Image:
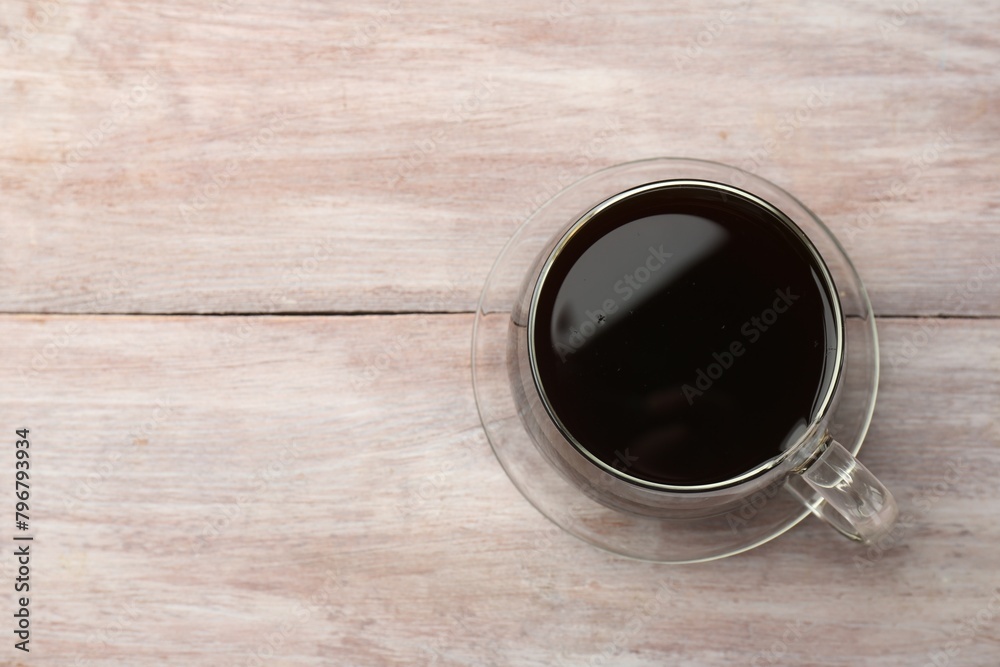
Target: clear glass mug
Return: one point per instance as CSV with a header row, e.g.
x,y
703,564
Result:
x,y
637,517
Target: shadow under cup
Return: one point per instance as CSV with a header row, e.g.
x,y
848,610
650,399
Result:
x,y
680,351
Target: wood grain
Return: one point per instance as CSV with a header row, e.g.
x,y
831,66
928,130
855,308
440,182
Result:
x,y
214,218
199,501
248,157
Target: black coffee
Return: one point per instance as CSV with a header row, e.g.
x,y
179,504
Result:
x,y
684,336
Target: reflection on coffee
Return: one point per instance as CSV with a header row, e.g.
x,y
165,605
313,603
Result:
x,y
684,335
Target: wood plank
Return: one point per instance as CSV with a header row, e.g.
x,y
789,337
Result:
x,y
246,157
214,490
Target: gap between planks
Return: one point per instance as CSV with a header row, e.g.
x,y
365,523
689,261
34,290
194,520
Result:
x,y
394,313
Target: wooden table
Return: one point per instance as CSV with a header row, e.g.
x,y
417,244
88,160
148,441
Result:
x,y
241,245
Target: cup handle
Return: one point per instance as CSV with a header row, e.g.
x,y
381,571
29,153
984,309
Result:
x,y
851,499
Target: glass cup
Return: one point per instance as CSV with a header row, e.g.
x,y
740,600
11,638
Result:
x,y
612,509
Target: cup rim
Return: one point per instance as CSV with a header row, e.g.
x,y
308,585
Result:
x,y
810,432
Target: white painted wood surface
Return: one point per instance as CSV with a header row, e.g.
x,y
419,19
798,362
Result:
x,y
209,490
212,490
184,157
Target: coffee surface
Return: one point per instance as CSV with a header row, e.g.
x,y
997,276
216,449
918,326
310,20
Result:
x,y
683,336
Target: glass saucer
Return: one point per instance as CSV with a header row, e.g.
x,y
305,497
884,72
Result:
x,y
763,516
